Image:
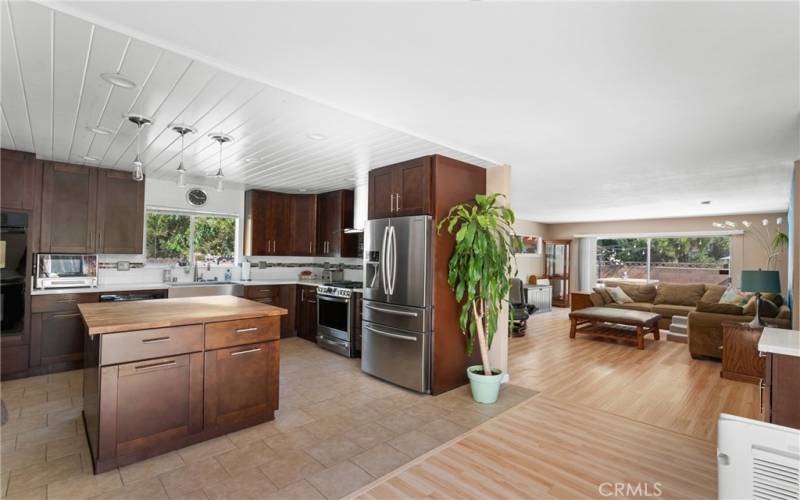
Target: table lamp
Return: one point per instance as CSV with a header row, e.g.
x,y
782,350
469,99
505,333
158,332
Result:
x,y
760,282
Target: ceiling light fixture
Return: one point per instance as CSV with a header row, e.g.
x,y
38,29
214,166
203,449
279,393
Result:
x,y
705,202
138,166
100,130
183,130
118,80
316,136
249,160
221,139
90,158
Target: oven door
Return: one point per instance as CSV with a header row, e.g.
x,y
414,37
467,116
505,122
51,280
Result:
x,y
333,317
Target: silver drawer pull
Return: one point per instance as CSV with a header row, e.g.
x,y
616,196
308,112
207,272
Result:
x,y
246,352
393,335
154,340
67,301
70,315
392,311
266,290
156,365
245,330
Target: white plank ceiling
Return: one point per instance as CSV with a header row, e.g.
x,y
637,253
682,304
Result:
x,y
52,94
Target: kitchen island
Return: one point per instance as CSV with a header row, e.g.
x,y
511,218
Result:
x,y
163,374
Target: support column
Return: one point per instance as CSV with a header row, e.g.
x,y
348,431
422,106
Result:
x,y
498,180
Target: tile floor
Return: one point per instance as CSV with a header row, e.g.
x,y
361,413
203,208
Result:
x,y
337,430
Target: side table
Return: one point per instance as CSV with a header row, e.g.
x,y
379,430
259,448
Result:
x,y
740,358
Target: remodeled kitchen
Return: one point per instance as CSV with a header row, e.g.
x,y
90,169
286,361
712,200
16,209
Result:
x,y
197,263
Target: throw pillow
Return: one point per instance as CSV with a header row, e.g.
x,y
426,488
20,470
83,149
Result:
x,y
719,308
679,294
713,293
639,293
775,298
768,308
735,297
603,292
619,295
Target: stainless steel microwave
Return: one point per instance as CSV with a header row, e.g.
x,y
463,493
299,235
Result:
x,y
65,270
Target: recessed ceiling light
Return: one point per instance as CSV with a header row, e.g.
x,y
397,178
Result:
x,y
350,179
302,190
118,80
705,202
316,136
100,130
248,160
90,158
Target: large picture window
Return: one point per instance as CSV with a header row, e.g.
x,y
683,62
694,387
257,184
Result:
x,y
179,238
704,259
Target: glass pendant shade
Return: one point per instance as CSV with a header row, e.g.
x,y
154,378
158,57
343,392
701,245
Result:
x,y
181,182
138,172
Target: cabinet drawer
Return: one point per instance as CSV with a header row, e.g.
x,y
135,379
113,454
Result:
x,y
261,292
146,344
61,301
242,331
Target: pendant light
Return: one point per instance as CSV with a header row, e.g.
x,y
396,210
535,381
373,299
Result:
x,y
221,139
138,166
183,130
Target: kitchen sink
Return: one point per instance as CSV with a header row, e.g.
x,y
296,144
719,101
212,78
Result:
x,y
204,288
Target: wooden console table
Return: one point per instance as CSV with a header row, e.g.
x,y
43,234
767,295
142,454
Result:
x,y
740,359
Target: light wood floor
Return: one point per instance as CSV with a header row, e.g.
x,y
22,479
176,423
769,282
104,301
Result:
x,y
606,413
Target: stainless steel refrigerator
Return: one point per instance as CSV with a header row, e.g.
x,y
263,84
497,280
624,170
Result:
x,y
398,301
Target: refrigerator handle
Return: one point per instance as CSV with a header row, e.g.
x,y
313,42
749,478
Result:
x,y
383,257
393,235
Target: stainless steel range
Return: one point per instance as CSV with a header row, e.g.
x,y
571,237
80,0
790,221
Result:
x,y
336,318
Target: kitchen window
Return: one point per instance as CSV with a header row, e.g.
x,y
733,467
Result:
x,y
181,238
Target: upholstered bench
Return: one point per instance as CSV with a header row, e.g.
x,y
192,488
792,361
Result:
x,y
620,324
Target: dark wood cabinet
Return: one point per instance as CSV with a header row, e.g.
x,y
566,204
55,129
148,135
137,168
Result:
x,y
779,389
334,213
278,224
120,213
303,219
69,208
241,383
276,295
146,402
20,179
401,189
56,340
307,312
256,206
90,210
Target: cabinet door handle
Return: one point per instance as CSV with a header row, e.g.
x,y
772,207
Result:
x,y
156,339
70,315
68,300
239,353
302,294
310,247
245,330
266,290
312,301
761,396
155,365
397,202
391,203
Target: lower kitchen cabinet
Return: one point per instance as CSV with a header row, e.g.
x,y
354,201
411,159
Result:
x,y
148,401
779,390
307,312
280,296
241,383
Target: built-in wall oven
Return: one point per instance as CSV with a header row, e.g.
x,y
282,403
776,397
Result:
x,y
13,269
336,318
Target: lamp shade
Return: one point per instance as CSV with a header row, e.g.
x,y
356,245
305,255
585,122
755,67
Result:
x,y
761,281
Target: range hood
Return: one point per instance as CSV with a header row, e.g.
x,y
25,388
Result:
x,y
360,201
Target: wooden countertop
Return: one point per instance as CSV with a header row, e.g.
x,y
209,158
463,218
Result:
x,y
114,317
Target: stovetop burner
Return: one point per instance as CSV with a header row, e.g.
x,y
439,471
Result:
x,y
344,284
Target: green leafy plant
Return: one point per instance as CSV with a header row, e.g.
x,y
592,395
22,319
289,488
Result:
x,y
481,266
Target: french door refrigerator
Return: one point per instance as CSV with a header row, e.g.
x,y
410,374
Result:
x,y
398,303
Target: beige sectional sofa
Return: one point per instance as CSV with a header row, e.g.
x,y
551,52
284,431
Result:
x,y
699,302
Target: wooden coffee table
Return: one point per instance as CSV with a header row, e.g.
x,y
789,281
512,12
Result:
x,y
612,323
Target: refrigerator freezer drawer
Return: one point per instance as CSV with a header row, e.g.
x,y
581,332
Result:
x,y
397,356
415,319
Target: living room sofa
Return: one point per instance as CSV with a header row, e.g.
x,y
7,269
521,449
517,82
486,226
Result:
x,y
672,299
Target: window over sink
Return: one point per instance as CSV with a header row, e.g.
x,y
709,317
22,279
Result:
x,y
183,238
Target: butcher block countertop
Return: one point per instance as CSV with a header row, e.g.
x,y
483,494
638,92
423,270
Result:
x,y
115,317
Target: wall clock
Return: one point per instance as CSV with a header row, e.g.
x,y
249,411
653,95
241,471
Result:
x,y
196,197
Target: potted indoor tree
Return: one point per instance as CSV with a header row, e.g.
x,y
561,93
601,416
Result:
x,y
479,274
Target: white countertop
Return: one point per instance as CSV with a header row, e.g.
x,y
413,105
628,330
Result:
x,y
779,341
129,287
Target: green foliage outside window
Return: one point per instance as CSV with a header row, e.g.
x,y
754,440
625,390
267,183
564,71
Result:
x,y
172,238
214,239
168,238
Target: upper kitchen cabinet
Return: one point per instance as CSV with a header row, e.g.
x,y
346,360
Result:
x,y
91,210
69,209
401,189
120,213
334,213
267,224
303,218
21,179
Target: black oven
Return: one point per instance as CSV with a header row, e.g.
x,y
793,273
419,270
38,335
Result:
x,y
13,271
